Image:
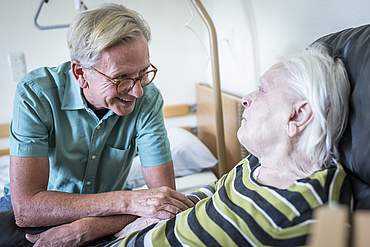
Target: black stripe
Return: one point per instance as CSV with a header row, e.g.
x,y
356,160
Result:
x,y
225,225
296,199
139,238
170,234
256,229
201,195
323,192
329,179
199,231
279,218
211,189
346,192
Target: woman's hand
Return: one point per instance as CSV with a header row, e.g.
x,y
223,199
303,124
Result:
x,y
136,225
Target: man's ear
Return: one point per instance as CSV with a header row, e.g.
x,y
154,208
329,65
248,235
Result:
x,y
79,74
300,117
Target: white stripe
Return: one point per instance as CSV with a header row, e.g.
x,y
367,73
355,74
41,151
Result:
x,y
148,238
309,186
176,235
233,223
331,188
256,206
148,235
206,191
281,198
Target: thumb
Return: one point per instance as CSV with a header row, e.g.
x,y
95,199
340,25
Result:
x,y
32,237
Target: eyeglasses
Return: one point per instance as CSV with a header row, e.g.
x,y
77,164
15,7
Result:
x,y
125,84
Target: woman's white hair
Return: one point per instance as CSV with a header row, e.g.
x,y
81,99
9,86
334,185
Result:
x,y
94,30
322,80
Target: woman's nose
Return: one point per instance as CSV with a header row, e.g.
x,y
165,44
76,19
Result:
x,y
246,101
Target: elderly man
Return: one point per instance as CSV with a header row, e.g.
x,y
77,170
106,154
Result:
x,y
76,128
291,126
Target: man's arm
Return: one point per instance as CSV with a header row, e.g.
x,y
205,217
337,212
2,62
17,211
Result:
x,y
162,175
35,206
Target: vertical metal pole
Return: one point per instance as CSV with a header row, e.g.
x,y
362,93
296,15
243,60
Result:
x,y
216,84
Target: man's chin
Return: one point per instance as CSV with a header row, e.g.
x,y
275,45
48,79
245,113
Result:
x,y
122,110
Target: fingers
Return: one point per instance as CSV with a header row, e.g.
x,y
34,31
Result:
x,y
32,237
162,203
176,195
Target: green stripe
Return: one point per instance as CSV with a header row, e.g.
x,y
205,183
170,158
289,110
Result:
x,y
265,193
159,235
211,227
183,231
306,193
337,184
125,241
240,222
261,219
320,176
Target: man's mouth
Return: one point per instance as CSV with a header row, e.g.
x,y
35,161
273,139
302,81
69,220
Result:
x,y
125,101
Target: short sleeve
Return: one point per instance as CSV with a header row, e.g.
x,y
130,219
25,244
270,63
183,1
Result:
x,y
29,131
152,141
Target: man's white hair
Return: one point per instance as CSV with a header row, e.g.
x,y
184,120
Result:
x,y
94,30
322,80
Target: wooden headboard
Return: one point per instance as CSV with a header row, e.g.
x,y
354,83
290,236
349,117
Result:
x,y
232,111
206,125
4,134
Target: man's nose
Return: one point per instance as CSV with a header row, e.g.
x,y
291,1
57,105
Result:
x,y
137,91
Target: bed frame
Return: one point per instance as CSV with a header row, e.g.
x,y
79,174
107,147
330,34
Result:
x,y
4,133
206,126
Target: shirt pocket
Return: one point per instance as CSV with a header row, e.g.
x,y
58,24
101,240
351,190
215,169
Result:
x,y
115,166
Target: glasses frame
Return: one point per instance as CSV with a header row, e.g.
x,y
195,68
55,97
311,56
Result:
x,y
118,82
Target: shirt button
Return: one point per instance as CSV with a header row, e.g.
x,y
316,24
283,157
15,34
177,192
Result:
x,y
98,127
88,183
93,157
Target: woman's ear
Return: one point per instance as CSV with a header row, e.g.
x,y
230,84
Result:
x,y
300,118
79,74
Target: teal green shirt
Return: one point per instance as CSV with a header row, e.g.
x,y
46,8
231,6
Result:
x,y
86,154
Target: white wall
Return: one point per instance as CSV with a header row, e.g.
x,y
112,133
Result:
x,y
175,49
252,34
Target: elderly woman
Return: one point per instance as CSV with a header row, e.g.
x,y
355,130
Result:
x,y
291,126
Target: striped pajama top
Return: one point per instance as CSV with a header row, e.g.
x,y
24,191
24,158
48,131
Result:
x,y
238,211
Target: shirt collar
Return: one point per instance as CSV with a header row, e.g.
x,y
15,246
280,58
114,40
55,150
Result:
x,y
72,98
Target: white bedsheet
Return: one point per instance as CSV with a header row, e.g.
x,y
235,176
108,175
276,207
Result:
x,y
190,183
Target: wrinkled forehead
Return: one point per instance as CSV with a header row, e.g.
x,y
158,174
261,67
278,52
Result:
x,y
275,76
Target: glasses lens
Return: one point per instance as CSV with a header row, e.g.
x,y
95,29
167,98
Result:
x,y
125,85
147,78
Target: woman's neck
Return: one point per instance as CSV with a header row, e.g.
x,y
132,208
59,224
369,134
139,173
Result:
x,y
281,171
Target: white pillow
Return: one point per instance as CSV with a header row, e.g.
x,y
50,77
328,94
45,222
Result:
x,y
189,156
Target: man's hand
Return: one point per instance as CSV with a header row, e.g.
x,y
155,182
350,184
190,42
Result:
x,y
72,234
161,203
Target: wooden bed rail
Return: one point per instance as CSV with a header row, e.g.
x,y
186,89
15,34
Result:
x,y
336,226
4,133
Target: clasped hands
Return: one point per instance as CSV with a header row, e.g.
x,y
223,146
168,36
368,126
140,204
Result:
x,y
157,204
